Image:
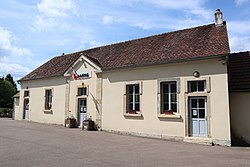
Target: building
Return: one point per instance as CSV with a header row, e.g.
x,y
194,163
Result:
x,y
172,86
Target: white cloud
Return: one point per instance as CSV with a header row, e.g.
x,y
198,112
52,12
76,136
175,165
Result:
x,y
11,55
107,19
239,27
239,44
54,14
8,47
86,44
174,15
240,2
239,35
57,8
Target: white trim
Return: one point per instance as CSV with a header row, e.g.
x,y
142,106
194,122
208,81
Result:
x,y
140,83
207,84
85,59
159,81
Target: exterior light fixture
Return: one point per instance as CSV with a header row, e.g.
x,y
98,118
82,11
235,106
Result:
x,y
196,74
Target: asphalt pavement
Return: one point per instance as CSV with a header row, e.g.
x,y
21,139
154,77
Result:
x,y
27,144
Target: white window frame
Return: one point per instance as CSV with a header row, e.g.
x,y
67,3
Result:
x,y
169,83
125,106
197,86
159,97
80,87
207,84
50,103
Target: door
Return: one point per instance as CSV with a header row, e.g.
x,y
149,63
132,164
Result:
x,y
198,116
82,111
26,109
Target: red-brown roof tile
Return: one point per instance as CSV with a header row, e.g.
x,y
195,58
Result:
x,y
239,71
202,41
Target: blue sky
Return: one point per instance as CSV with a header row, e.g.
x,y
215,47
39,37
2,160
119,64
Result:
x,y
34,31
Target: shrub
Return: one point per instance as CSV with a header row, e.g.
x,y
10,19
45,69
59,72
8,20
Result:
x,y
6,112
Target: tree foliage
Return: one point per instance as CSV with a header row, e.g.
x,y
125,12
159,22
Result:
x,y
11,80
7,91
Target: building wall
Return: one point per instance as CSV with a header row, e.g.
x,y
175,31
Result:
x,y
93,97
240,114
16,107
64,99
149,123
36,90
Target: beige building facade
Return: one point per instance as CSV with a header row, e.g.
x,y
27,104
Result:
x,y
150,121
177,85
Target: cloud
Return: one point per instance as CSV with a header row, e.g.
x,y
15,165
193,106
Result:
x,y
11,55
186,13
54,14
107,19
239,35
239,44
86,44
240,2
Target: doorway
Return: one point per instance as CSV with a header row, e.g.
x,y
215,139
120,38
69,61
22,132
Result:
x,y
26,109
198,116
82,111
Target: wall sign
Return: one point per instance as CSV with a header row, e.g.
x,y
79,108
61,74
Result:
x,y
84,75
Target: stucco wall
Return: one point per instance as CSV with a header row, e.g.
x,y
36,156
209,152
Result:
x,y
65,97
93,93
240,115
37,100
150,123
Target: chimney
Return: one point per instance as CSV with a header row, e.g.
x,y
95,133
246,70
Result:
x,y
218,18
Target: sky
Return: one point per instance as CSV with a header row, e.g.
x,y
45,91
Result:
x,y
34,31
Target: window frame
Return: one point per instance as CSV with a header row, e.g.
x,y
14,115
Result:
x,y
26,95
50,104
82,87
126,105
196,86
207,84
169,94
160,114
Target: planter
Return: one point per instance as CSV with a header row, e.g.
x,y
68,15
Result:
x,y
70,123
168,112
132,112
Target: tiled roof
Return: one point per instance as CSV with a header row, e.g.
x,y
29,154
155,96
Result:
x,y
202,41
54,67
239,71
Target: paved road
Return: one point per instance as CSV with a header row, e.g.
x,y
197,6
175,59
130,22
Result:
x,y
25,144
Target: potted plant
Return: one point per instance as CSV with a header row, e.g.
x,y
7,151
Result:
x,y
169,112
132,112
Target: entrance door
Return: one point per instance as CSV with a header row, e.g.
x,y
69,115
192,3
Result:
x,y
82,111
198,116
26,109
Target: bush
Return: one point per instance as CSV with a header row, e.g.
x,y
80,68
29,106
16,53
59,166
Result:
x,y
6,112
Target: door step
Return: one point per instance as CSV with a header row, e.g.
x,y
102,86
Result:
x,y
198,140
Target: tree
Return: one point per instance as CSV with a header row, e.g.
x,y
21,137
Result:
x,y
7,90
11,80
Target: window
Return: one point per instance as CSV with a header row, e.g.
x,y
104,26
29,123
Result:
x,y
48,99
26,93
132,99
168,96
196,86
82,91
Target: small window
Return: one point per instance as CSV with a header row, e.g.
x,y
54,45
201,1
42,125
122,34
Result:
x,y
48,99
196,86
26,93
132,99
168,97
82,91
